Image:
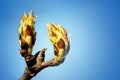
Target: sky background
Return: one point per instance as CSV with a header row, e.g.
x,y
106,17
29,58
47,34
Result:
x,y
93,29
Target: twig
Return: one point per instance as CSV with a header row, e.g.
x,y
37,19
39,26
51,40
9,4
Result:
x,y
36,63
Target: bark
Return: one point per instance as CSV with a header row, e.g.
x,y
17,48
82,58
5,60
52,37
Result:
x,y
35,63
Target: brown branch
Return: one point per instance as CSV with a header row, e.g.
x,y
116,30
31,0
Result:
x,y
36,63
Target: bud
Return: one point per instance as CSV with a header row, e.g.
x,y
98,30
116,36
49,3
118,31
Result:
x,y
58,36
27,34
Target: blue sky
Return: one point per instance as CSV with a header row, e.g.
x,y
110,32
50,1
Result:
x,y
93,28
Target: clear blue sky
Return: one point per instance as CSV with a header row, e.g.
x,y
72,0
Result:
x,y
94,32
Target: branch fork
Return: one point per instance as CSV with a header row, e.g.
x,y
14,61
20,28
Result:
x,y
35,63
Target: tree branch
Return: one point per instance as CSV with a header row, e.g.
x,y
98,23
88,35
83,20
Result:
x,y
36,63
